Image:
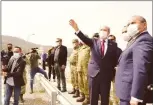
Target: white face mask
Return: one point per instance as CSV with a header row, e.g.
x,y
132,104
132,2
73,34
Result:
x,y
103,34
16,55
132,30
126,37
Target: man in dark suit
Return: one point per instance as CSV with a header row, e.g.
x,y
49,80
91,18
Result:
x,y
60,60
119,51
135,64
101,65
14,76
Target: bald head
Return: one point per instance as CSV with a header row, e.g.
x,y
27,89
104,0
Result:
x,y
104,32
139,21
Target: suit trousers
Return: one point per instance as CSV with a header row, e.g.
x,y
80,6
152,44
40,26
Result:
x,y
60,73
44,65
124,102
51,71
98,86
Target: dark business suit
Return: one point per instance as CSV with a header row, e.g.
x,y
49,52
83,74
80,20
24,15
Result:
x,y
134,67
100,69
17,65
62,60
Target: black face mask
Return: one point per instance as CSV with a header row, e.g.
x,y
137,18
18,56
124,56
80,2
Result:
x,y
9,48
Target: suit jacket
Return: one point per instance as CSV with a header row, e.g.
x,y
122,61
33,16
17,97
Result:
x,y
98,63
18,70
62,57
134,66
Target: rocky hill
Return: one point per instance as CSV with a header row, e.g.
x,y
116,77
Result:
x,y
23,44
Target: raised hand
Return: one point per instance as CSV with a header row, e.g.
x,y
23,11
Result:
x,y
74,25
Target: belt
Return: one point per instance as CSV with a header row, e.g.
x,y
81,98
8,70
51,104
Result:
x,y
73,64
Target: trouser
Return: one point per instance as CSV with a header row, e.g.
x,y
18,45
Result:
x,y
44,65
74,76
83,83
33,73
60,76
51,71
8,93
99,86
124,102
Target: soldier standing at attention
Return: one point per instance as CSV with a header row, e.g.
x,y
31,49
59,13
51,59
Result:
x,y
83,59
73,66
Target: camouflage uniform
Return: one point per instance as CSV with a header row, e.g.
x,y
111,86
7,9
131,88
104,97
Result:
x,y
83,59
73,66
113,98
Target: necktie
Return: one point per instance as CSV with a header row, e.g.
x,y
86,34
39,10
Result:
x,y
102,47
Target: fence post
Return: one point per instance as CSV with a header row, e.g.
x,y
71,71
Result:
x,y
53,97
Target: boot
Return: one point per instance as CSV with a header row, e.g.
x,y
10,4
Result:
x,y
31,92
86,101
77,94
81,98
73,91
21,98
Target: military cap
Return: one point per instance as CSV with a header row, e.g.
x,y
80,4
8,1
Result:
x,y
75,40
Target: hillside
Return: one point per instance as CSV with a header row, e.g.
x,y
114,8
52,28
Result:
x,y
23,44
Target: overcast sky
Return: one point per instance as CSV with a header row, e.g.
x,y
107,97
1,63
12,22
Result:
x,y
50,19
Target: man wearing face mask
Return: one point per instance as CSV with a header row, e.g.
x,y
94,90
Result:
x,y
114,99
134,72
60,60
101,65
7,55
10,52
73,66
14,76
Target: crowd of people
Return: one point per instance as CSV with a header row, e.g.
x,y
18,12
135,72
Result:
x,y
97,66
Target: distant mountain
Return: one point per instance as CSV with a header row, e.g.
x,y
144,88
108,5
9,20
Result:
x,y
23,44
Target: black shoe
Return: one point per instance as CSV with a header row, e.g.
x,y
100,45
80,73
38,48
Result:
x,y
64,90
21,98
59,88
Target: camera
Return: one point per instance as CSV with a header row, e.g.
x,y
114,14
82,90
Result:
x,y
33,50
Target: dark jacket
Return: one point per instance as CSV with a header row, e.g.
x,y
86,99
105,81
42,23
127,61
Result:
x,y
50,59
134,68
18,70
62,57
98,64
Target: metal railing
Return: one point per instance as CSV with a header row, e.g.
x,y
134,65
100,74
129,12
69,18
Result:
x,y
52,91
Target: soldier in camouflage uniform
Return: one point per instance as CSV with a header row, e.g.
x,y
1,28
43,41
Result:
x,y
73,66
83,59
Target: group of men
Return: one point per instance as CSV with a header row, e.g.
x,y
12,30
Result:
x,y
132,68
95,63
13,69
